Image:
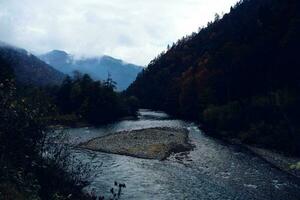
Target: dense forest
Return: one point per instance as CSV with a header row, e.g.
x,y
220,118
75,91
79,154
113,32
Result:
x,y
239,76
81,99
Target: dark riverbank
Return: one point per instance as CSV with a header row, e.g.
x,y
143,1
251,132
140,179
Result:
x,y
285,163
46,182
281,160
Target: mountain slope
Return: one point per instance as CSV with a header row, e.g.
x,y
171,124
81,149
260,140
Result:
x,y
98,68
240,75
29,69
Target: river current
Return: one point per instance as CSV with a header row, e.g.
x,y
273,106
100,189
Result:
x,y
213,170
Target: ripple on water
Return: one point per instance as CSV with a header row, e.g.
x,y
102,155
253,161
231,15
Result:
x,y
213,170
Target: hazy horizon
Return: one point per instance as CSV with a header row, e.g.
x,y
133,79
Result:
x,y
135,32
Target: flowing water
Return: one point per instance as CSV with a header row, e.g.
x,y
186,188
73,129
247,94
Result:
x,y
213,170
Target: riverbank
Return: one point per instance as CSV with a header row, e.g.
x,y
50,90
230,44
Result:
x,y
285,163
152,143
42,181
280,160
72,121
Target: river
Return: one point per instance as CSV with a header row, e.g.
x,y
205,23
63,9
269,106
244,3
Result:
x,y
213,170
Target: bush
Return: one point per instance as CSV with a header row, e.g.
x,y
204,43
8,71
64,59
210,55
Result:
x,y
24,173
270,121
227,117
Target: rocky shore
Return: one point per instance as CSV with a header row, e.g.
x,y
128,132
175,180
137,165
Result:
x,y
290,165
153,143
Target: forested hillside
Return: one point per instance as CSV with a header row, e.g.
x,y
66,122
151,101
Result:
x,y
28,69
239,76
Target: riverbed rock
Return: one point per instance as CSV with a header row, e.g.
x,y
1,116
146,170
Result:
x,y
152,143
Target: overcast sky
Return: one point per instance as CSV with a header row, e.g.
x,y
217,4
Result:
x,y
133,30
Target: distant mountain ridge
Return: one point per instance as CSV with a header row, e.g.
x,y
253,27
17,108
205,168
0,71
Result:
x,y
28,68
98,67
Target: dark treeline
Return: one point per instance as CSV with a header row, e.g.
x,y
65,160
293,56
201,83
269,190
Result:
x,y
94,102
239,76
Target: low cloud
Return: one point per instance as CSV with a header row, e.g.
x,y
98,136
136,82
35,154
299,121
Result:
x,y
135,31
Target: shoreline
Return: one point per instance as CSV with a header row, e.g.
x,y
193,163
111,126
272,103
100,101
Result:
x,y
279,160
290,165
82,123
287,163
152,143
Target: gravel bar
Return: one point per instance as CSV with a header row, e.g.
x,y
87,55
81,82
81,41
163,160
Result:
x,y
152,143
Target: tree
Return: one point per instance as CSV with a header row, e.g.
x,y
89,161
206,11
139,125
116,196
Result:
x,y
109,83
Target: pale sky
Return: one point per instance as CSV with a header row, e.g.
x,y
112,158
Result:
x,y
133,30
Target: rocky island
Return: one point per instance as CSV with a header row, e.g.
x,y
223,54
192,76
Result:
x,y
153,143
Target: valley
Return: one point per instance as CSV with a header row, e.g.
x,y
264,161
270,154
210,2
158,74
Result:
x,y
214,116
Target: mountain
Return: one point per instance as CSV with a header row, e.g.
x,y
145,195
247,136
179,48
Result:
x,y
98,68
239,76
28,69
